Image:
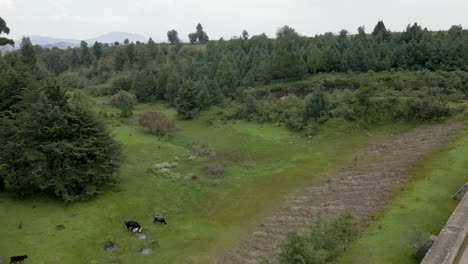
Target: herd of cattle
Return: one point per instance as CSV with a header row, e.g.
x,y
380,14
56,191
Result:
x,y
135,227
131,225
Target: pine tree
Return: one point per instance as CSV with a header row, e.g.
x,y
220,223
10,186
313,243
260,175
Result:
x,y
286,65
204,98
227,77
97,50
174,81
263,69
317,106
131,53
59,149
145,86
5,29
314,60
120,59
28,54
186,101
85,55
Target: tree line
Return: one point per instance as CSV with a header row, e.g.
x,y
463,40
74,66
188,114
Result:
x,y
193,78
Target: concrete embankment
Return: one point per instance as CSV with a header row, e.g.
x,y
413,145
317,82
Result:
x,y
451,246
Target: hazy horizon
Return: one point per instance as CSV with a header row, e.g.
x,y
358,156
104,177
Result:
x,y
87,19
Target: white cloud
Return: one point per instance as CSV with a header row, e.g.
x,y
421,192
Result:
x,y
6,4
223,18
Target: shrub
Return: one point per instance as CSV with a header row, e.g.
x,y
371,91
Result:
x,y
416,109
72,80
323,244
121,83
199,149
125,102
157,122
79,99
297,250
213,169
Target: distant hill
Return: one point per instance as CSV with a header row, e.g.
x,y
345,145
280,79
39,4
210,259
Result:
x,y
62,43
117,36
44,41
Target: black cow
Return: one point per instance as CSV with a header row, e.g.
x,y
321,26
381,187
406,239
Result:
x,y
133,226
18,259
160,220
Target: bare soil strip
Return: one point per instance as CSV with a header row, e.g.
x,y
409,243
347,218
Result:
x,y
362,188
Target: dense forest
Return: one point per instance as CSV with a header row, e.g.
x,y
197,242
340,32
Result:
x,y
192,78
255,77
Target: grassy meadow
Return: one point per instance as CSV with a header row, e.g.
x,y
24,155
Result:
x,y
205,216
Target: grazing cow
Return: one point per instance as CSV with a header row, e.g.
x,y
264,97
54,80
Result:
x,y
160,220
18,259
133,226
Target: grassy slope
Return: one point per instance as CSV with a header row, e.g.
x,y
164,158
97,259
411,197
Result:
x,y
423,206
262,162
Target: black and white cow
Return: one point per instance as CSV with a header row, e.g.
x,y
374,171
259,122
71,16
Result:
x,y
160,220
18,259
133,226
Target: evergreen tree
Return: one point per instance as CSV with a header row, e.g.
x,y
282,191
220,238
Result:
x,y
12,86
75,59
226,77
286,65
145,86
203,99
28,54
131,53
263,69
120,59
381,33
174,81
85,55
59,149
317,106
314,60
193,38
172,36
245,35
5,29
153,49
97,50
201,35
186,101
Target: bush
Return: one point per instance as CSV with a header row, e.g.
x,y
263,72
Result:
x,y
323,244
213,169
199,149
125,102
416,109
72,80
121,83
157,122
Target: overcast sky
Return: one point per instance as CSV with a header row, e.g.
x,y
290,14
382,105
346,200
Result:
x,y
83,19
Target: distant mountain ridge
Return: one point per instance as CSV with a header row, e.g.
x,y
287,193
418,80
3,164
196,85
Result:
x,y
62,43
112,37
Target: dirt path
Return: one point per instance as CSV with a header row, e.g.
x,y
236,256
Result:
x,y
362,188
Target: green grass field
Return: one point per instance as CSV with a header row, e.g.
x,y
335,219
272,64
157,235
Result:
x,y
206,216
423,206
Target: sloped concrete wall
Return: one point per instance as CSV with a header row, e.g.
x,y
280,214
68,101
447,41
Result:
x,y
449,247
